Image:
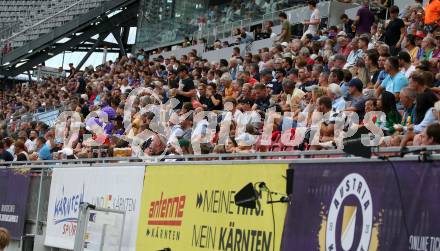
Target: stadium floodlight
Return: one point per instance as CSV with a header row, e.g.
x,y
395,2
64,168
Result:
x,y
354,146
247,197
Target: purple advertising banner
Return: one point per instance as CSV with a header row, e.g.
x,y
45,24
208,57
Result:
x,y
356,206
14,188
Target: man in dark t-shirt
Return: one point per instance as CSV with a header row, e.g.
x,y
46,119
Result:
x,y
262,100
81,85
348,25
277,84
186,89
5,155
212,99
357,105
395,31
364,19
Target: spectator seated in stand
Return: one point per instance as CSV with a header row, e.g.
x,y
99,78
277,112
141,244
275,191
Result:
x,y
329,71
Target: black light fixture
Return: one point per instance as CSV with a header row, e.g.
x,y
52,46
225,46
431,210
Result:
x,y
248,196
353,145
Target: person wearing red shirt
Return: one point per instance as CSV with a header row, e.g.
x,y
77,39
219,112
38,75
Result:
x,y
343,43
246,76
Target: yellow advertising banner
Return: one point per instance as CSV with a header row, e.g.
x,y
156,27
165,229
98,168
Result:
x,y
191,207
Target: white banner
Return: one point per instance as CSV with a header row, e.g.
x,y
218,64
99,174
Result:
x,y
108,187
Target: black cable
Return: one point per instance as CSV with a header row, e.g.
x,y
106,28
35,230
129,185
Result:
x,y
273,219
396,178
269,199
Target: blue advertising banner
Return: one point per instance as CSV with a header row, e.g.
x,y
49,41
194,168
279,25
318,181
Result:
x,y
357,206
14,188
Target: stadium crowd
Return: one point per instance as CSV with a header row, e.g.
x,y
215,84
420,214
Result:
x,y
367,65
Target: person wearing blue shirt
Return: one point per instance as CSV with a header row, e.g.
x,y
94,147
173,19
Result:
x,y
354,55
43,149
382,74
395,81
344,84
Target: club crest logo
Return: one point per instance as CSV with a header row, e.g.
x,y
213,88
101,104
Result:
x,y
350,217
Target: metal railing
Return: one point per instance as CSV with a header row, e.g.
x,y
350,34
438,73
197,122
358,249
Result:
x,y
212,32
33,116
41,173
6,32
291,157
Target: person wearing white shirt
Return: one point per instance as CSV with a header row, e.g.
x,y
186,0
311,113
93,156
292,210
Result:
x,y
425,114
30,145
269,6
247,116
176,134
334,91
31,142
428,119
355,53
314,21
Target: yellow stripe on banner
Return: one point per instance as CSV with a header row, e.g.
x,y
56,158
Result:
x,y
191,207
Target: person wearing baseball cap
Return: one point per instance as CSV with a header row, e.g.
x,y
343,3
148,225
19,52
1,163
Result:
x,y
420,34
356,97
342,34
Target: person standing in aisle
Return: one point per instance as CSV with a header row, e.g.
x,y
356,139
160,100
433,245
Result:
x,y
314,21
394,31
286,33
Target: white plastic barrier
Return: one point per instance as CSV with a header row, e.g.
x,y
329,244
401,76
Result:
x,y
295,16
351,12
180,52
331,10
226,53
276,29
299,15
230,40
216,55
268,42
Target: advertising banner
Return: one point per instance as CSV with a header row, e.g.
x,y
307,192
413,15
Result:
x,y
364,206
107,187
14,189
191,207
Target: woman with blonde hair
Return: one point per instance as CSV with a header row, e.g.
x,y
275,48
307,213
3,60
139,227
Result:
x,y
5,238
